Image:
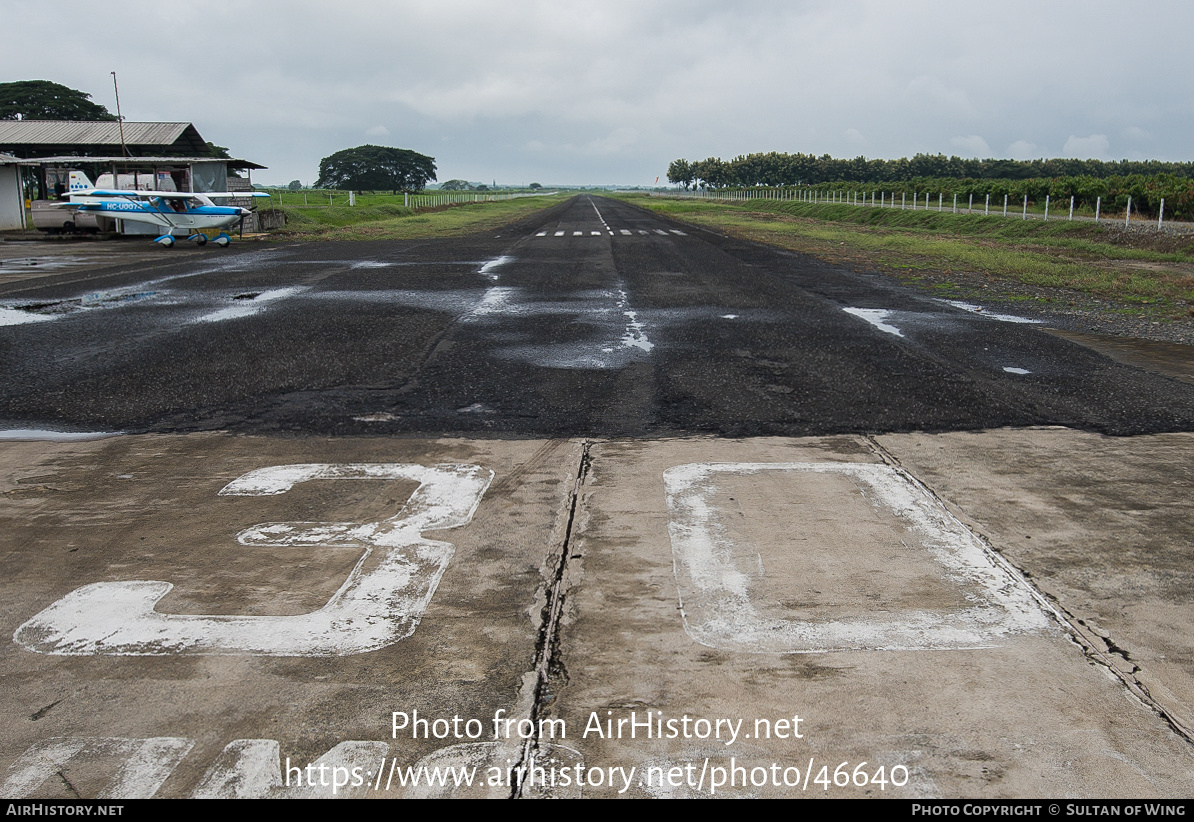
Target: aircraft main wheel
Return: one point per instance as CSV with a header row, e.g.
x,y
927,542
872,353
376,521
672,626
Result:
x,y
166,241
222,241
201,240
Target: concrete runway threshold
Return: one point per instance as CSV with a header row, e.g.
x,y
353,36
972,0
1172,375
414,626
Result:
x,y
999,614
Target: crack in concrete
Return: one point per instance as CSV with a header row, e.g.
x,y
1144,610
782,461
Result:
x,y
1095,643
547,664
43,711
74,792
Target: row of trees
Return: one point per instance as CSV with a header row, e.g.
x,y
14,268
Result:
x,y
781,169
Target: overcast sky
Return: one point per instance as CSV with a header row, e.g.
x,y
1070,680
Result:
x,y
610,91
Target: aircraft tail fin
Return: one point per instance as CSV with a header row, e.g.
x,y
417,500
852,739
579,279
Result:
x,y
80,182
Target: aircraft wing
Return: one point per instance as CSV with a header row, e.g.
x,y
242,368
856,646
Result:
x,y
129,194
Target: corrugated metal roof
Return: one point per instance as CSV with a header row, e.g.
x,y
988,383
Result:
x,y
89,132
33,137
74,159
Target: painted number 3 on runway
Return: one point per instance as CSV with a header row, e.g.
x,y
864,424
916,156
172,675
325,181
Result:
x,y
371,610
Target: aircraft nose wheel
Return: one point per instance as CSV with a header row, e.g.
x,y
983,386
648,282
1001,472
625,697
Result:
x,y
223,240
165,241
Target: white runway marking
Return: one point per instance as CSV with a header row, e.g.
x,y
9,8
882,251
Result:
x,y
489,269
559,233
144,764
578,233
1013,370
876,317
626,231
372,609
635,336
978,309
252,769
495,301
600,217
14,316
661,232
678,231
38,434
541,234
717,575
595,233
250,306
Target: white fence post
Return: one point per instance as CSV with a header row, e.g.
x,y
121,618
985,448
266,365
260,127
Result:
x,y
1128,213
1025,215
987,206
955,204
939,198
1004,205
1071,207
1046,208
1098,208
970,207
1161,213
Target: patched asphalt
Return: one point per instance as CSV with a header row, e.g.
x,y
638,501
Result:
x,y
816,534
619,326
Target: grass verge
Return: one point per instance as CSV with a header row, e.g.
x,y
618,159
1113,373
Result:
x,y
1146,274
390,221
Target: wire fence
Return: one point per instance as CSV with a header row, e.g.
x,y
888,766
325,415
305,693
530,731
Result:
x,y
417,202
1024,209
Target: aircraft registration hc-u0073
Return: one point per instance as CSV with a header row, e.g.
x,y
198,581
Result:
x,y
171,211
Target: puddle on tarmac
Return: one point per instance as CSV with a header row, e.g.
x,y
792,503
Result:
x,y
1171,359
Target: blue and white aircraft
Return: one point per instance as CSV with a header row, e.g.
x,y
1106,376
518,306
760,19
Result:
x,y
172,211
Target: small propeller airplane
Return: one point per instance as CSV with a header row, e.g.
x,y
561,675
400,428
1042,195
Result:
x,y
171,211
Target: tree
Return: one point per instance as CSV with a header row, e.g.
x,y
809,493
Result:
x,y
535,186
456,185
680,173
43,100
295,185
374,168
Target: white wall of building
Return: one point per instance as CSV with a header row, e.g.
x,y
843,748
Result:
x,y
12,204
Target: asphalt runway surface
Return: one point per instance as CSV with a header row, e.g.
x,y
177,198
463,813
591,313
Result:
x,y
594,319
816,534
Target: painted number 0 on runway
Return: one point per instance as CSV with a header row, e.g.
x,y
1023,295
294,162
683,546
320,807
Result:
x,y
371,609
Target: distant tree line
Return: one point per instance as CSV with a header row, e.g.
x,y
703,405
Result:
x,y
781,169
